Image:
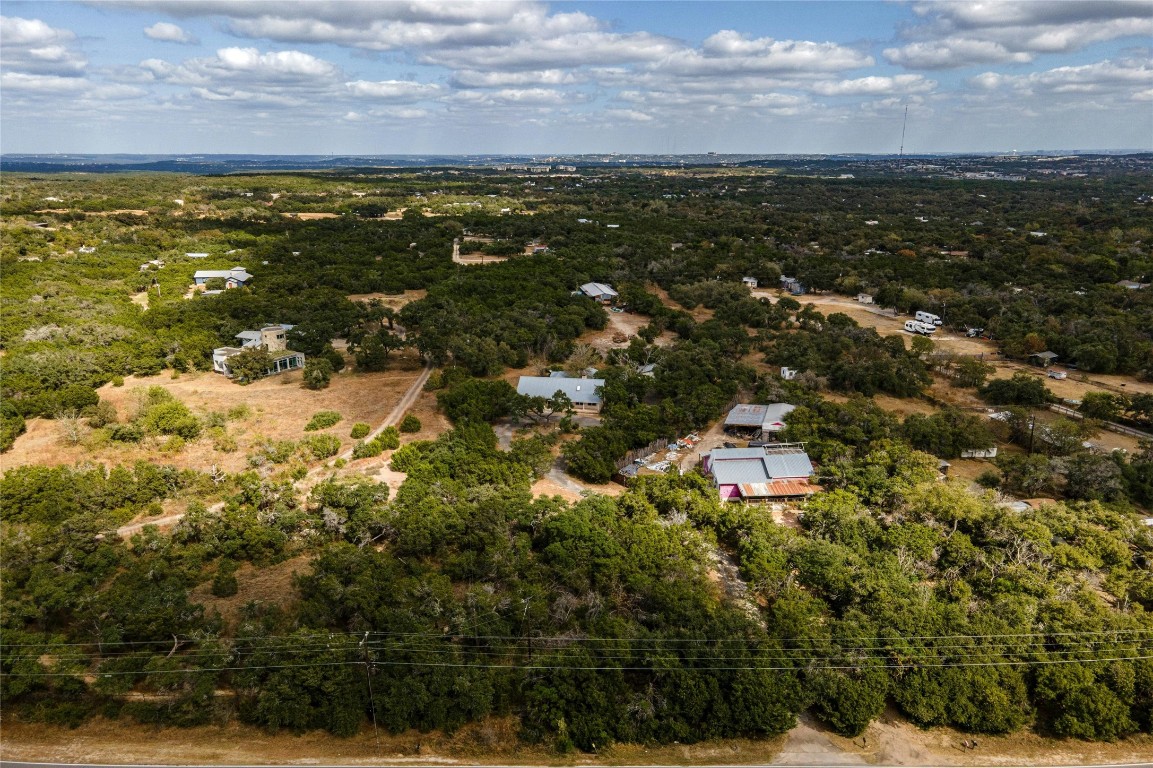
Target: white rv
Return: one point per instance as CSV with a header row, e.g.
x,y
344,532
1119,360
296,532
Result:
x,y
926,329
927,317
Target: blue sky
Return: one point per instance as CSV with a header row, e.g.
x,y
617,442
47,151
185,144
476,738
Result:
x,y
518,76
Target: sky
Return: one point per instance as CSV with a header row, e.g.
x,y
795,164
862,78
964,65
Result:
x,y
372,77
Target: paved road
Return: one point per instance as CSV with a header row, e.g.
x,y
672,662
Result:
x,y
5,763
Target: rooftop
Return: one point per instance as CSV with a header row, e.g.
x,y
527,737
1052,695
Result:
x,y
578,390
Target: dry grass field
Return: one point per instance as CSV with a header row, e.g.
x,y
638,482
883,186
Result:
x,y
890,741
278,409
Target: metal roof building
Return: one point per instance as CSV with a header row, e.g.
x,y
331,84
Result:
x,y
769,472
584,393
599,291
746,417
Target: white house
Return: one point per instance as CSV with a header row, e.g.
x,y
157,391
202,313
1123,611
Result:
x,y
749,281
272,339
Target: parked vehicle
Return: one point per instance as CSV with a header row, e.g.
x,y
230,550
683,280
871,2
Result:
x,y
973,333
925,329
1059,375
927,317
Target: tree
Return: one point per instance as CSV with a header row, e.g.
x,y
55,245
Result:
x,y
249,365
317,373
1022,389
971,372
1102,405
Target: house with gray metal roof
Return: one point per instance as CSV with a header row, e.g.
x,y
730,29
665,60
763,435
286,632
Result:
x,y
771,472
601,292
584,393
757,421
233,278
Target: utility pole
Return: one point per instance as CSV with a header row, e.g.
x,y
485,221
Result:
x,y
371,697
901,153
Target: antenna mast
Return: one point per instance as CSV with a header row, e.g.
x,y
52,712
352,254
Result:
x,y
901,154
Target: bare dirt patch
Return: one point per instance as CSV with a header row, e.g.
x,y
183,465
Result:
x,y
890,741
272,584
394,300
129,211
279,407
311,216
623,323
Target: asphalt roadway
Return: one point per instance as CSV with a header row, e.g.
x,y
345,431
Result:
x,y
11,764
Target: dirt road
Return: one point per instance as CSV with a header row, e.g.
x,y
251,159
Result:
x,y
397,414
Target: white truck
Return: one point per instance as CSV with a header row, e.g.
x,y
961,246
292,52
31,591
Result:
x,y
927,317
925,329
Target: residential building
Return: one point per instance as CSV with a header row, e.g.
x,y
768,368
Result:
x,y
601,292
584,393
272,339
236,277
768,473
757,421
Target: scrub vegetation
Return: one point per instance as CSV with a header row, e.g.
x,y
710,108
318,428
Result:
x,y
463,594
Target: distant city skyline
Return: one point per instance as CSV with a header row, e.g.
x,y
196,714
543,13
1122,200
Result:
x,y
516,77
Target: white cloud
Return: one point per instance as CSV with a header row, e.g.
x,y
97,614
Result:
x,y
30,45
1130,77
953,52
959,34
527,97
563,51
55,85
471,78
392,90
169,33
630,115
875,86
729,52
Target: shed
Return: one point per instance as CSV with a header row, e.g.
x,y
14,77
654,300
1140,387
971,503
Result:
x,y
760,474
749,281
233,278
1043,359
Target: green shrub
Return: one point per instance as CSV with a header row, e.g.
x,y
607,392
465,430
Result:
x,y
367,450
410,424
339,463
171,418
126,433
322,420
102,414
174,444
222,441
389,439
11,427
990,478
271,452
239,412
322,446
359,430
118,381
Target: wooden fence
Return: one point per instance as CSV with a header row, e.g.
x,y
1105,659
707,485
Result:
x,y
1120,429
636,453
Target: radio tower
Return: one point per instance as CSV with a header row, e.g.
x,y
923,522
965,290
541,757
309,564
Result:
x,y
901,153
